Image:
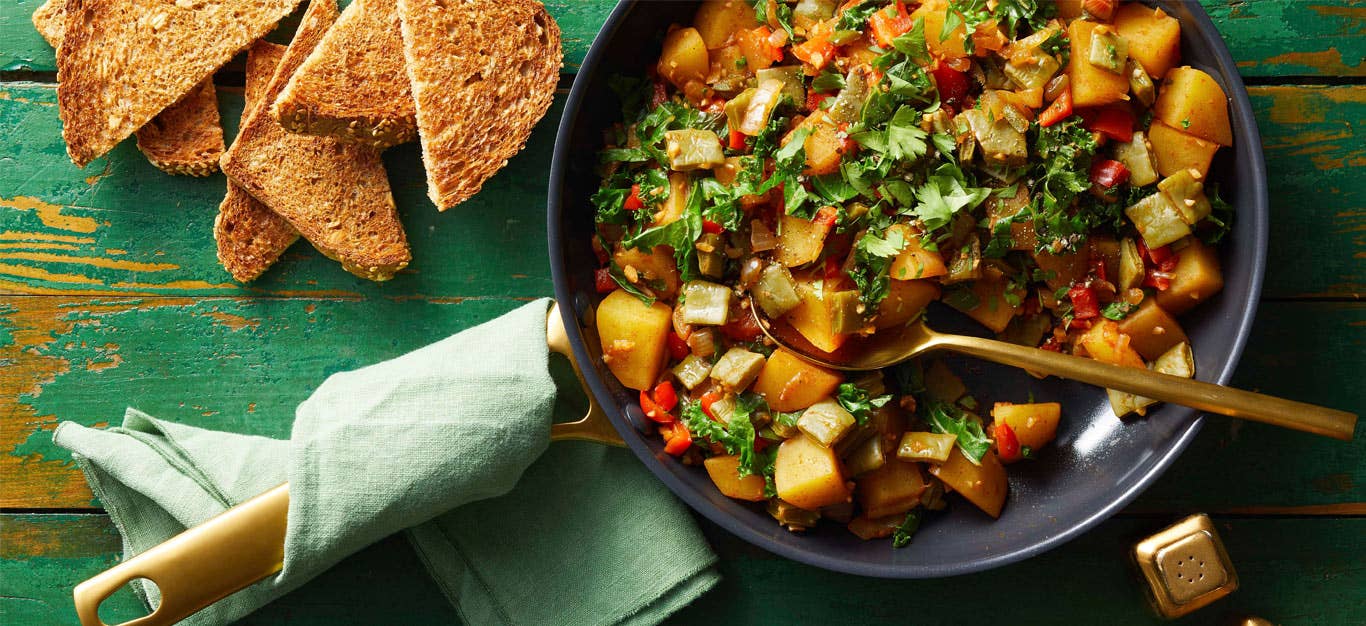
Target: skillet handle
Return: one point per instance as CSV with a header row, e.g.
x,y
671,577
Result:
x,y
246,543
202,565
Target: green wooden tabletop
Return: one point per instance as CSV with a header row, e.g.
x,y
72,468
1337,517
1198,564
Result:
x,y
110,295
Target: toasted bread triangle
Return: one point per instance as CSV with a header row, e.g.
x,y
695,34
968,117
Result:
x,y
354,85
250,237
483,73
123,62
335,194
185,138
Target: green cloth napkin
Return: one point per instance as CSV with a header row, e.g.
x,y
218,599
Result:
x,y
451,441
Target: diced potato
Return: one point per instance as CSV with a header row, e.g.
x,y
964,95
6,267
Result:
x,y
1137,156
1154,37
926,446
692,371
1151,330
656,268
1034,424
1196,278
1062,269
1068,9
868,528
1157,220
1192,101
789,383
814,318
992,310
942,384
822,146
1105,343
808,474
1186,194
776,291
826,422
1130,266
914,261
934,13
800,241
1174,151
693,149
983,485
891,489
905,300
725,472
684,57
634,338
737,368
717,20
1091,85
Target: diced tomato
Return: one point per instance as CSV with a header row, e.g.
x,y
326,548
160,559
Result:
x,y
1102,10
714,228
1098,268
1115,121
659,94
1157,279
1108,173
1007,444
633,201
603,281
814,100
707,400
1053,344
653,411
889,23
816,52
1058,111
952,84
743,328
665,396
678,347
1156,256
1084,303
679,439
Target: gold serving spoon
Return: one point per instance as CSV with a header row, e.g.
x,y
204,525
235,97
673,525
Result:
x,y
889,347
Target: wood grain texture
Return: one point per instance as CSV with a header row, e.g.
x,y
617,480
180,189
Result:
x,y
123,227
1292,571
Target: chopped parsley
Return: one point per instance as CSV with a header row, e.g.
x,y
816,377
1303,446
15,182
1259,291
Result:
x,y
1118,310
901,537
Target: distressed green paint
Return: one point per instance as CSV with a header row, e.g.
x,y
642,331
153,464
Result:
x,y
1292,571
1293,37
22,49
163,224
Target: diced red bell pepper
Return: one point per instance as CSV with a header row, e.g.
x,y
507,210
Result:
x,y
1052,344
653,411
1108,173
737,140
714,228
1084,303
678,347
889,23
1058,111
1102,10
1007,444
707,400
1157,279
1098,268
816,52
952,84
825,217
679,440
814,100
1156,256
1115,121
633,201
665,396
603,281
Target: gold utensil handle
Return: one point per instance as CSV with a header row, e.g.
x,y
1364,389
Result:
x,y
246,543
1187,392
201,565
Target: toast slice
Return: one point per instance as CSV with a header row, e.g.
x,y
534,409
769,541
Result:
x,y
251,237
186,138
335,194
122,62
354,85
483,73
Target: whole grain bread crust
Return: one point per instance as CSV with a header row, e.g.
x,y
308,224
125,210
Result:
x,y
185,138
122,62
483,73
249,236
335,194
354,85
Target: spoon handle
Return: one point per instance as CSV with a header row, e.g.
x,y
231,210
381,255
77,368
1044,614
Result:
x,y
1192,393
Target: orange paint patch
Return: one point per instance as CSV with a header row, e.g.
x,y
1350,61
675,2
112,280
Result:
x,y
1326,61
22,236
96,366
51,214
86,536
40,245
113,264
115,251
234,322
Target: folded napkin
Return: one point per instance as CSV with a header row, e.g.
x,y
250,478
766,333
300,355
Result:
x,y
450,441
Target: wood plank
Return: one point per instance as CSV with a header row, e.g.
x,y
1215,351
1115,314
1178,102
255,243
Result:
x,y
123,227
1293,38
242,364
1291,571
22,49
